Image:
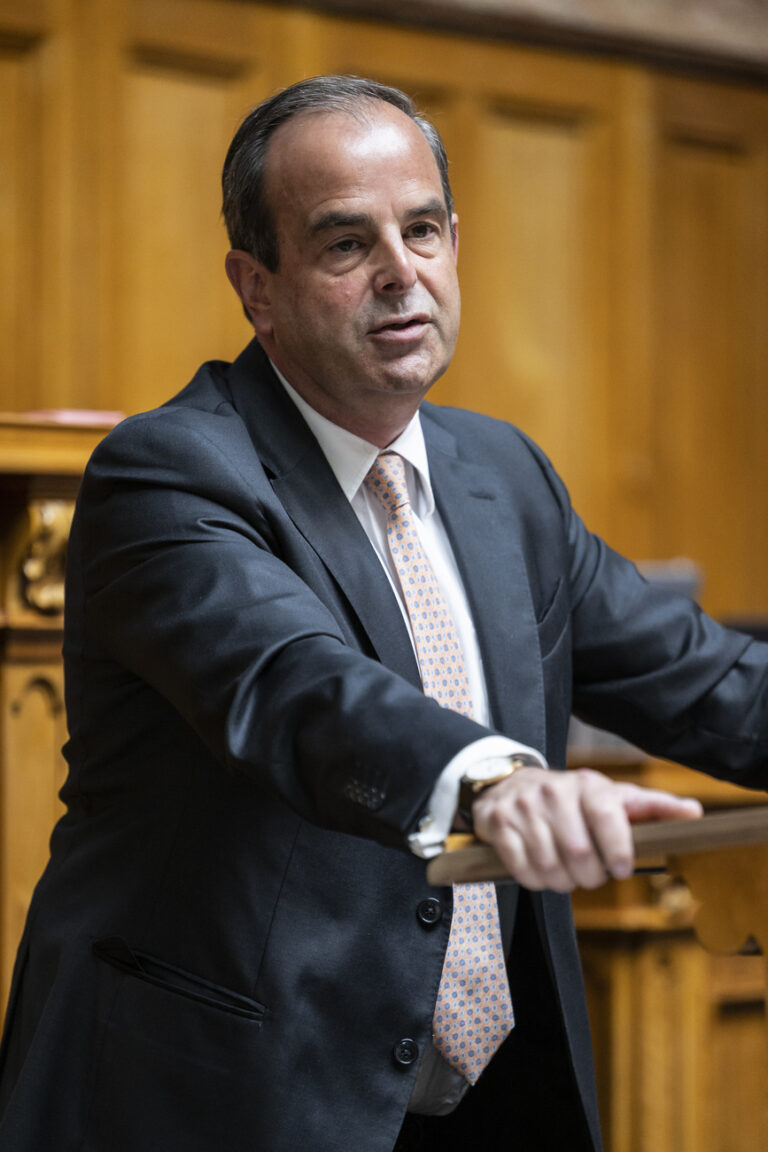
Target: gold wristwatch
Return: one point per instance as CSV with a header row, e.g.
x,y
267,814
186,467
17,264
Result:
x,y
473,782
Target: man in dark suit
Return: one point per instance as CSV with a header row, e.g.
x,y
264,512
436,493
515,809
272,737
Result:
x,y
234,945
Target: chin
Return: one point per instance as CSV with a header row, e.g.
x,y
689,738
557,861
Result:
x,y
412,381
406,386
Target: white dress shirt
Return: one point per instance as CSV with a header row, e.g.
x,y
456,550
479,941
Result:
x,y
350,459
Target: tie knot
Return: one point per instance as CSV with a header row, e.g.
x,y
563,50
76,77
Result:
x,y
386,480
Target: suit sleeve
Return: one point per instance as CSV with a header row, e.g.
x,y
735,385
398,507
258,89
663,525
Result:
x,y
177,575
651,666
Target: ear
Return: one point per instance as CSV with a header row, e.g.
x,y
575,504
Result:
x,y
250,280
455,236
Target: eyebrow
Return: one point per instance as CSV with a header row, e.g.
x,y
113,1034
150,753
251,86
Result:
x,y
330,220
434,207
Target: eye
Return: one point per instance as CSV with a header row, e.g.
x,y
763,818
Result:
x,y
346,245
423,230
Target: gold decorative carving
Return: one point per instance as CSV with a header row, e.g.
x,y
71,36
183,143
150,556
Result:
x,y
43,558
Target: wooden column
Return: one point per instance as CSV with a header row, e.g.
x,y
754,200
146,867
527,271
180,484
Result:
x,y
679,1032
41,460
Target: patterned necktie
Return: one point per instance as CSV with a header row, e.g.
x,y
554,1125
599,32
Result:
x,y
473,1011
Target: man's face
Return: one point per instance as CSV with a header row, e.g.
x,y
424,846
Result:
x,y
362,313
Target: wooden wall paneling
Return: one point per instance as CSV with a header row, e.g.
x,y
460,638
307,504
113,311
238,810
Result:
x,y
571,271
182,75
671,978
298,44
40,466
32,731
737,1099
711,276
648,998
679,1037
97,28
628,398
425,64
36,196
532,139
719,35
536,283
609,982
756,389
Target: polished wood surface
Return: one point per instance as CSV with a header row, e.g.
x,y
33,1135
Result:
x,y
467,860
613,247
53,443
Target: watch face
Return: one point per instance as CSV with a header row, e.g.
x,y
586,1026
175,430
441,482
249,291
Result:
x,y
477,773
484,773
492,772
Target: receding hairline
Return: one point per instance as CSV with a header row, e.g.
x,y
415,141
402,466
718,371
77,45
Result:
x,y
365,112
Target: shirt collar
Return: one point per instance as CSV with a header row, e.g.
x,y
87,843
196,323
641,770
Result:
x,y
351,457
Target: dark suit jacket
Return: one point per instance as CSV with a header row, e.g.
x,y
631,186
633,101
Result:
x,y
226,946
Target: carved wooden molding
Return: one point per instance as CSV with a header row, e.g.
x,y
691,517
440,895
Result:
x,y
33,546
41,572
41,687
51,443
721,34
42,457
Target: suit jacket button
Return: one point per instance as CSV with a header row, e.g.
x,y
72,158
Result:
x,y
429,912
405,1052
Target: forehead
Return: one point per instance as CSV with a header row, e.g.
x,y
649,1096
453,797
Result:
x,y
321,159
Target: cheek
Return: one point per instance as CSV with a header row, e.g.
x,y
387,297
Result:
x,y
452,301
340,316
448,286
341,298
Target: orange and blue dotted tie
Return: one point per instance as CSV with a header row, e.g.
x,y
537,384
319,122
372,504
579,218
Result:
x,y
473,1011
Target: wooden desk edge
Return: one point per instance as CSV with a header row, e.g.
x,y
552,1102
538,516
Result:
x,y
467,860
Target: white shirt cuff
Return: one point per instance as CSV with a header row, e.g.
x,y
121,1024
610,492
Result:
x,y
491,751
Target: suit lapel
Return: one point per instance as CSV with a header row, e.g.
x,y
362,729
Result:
x,y
479,516
486,535
323,515
310,494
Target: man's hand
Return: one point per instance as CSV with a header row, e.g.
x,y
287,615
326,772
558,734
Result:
x,y
566,830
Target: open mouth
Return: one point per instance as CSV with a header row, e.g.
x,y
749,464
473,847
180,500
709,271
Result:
x,y
413,322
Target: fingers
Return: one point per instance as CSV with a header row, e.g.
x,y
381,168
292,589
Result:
x,y
556,830
648,804
562,830
605,814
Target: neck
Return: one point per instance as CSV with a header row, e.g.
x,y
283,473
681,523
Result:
x,y
378,423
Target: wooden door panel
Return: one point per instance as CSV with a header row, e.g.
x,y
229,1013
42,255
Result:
x,y
712,364
36,195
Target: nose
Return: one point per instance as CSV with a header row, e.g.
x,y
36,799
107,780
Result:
x,y
395,270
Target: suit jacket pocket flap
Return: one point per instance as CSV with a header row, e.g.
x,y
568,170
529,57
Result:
x,y
117,952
